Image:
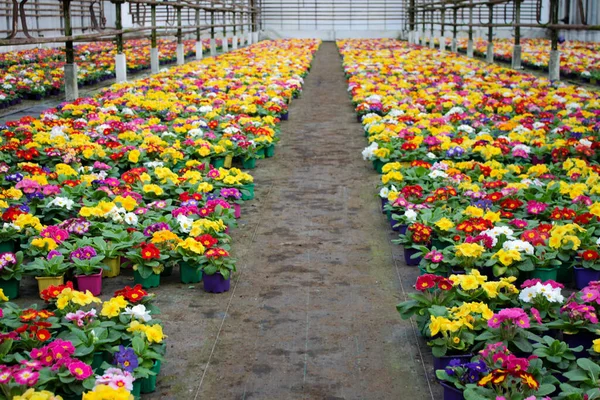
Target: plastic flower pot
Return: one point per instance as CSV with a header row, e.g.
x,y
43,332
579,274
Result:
x,y
545,274
150,282
237,210
8,246
249,187
452,393
408,253
285,116
442,362
249,163
378,165
565,273
137,388
215,283
583,276
189,274
93,283
395,225
97,360
148,385
11,287
402,229
114,267
46,281
359,118
384,201
582,338
218,162
260,152
270,151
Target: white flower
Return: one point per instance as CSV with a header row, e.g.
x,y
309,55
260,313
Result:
x,y
585,142
431,156
410,215
455,110
384,192
185,223
138,312
154,164
57,131
522,147
437,173
131,219
62,202
205,109
128,111
551,294
519,245
466,128
368,152
598,242
395,112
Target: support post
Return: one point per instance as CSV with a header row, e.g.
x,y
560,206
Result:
x,y
470,41
199,48
154,62
180,49
516,55
120,60
454,47
490,46
443,30
234,44
424,36
70,68
411,22
225,45
554,64
213,40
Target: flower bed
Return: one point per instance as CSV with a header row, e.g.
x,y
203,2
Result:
x,y
491,177
577,59
143,175
38,73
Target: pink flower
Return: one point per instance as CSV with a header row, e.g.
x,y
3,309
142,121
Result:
x,y
536,207
49,190
519,223
536,315
26,376
28,186
435,256
80,370
5,374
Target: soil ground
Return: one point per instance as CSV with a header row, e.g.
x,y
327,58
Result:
x,y
311,313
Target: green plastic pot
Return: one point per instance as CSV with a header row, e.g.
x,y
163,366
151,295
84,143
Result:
x,y
150,282
545,274
218,162
249,187
565,273
189,274
148,385
260,153
137,388
270,151
378,165
168,271
11,288
249,163
97,361
8,247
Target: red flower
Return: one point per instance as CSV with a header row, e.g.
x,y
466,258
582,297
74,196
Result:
x,y
445,284
207,240
425,282
133,295
590,255
150,251
43,335
52,292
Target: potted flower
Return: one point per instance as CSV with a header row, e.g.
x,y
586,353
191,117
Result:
x,y
190,250
88,269
9,234
453,331
48,271
147,263
581,381
509,326
457,375
543,298
432,290
217,267
417,234
589,268
112,248
10,273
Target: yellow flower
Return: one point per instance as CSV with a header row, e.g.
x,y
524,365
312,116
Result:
x,y
112,308
128,203
150,188
105,392
507,257
83,299
473,211
134,156
193,245
469,282
435,325
32,394
154,334
595,209
2,295
469,250
44,243
596,345
164,236
444,224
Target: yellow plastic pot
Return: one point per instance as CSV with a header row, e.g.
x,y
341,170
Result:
x,y
44,282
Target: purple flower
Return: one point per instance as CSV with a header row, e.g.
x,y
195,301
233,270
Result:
x,y
52,254
126,359
159,226
84,253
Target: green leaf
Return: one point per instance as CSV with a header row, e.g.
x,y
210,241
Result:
x,y
138,345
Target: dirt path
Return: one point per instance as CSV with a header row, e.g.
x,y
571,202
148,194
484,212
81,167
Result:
x,y
312,316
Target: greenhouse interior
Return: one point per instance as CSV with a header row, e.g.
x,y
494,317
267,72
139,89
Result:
x,y
298,199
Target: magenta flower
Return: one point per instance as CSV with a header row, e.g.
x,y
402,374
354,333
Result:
x,y
519,223
536,315
26,376
435,256
80,370
536,207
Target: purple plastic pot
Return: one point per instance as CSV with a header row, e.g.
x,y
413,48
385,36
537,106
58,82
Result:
x,y
583,338
583,276
237,209
394,224
216,283
442,362
384,201
408,253
286,116
452,393
402,229
93,283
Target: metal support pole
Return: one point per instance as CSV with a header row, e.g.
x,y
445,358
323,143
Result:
x,y
154,62
454,46
431,35
234,44
70,68
424,37
120,60
470,41
213,40
554,64
225,43
199,48
490,46
180,49
516,56
443,30
411,21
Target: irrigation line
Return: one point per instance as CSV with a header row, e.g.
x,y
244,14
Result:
x,y
212,351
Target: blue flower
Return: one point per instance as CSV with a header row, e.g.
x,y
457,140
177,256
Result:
x,y
126,359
